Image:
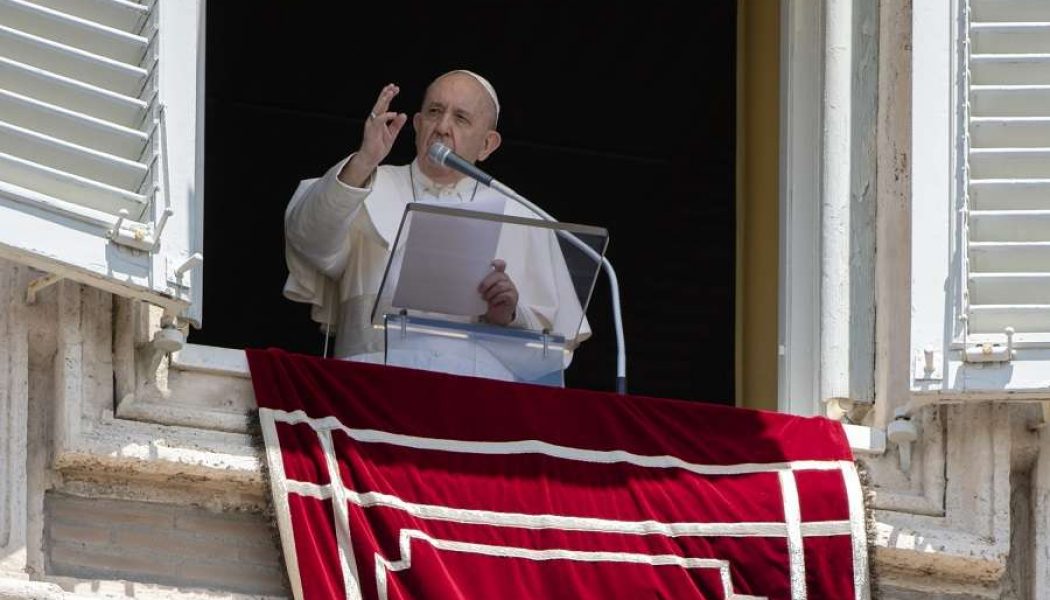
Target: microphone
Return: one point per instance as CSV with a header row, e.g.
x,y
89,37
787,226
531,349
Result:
x,y
444,156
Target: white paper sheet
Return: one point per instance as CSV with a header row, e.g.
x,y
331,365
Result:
x,y
445,258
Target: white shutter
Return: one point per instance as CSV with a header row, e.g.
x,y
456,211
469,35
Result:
x,y
100,124
1009,170
981,196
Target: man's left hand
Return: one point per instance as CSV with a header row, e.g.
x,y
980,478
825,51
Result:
x,y
499,292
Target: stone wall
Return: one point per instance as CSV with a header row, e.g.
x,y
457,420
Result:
x,y
160,542
123,473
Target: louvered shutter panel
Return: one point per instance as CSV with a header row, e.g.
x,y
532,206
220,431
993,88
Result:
x,y
99,142
1008,172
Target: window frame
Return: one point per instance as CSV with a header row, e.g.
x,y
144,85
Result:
x,y
827,252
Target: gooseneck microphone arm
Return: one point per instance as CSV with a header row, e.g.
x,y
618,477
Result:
x,y
614,283
443,155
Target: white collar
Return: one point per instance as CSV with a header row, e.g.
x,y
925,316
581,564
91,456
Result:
x,y
427,190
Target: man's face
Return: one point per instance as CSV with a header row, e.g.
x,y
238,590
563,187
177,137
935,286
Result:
x,y
458,113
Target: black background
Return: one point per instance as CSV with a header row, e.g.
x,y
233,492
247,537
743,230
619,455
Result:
x,y
620,115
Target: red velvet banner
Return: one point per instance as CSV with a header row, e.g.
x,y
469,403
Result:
x,y
397,483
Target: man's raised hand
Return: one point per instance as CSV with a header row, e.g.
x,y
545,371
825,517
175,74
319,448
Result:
x,y
381,128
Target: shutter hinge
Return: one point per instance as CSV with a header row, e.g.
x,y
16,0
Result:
x,y
175,273
139,237
988,352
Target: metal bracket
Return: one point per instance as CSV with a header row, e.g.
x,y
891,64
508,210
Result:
x,y
175,275
195,260
903,432
133,237
168,339
928,365
991,353
145,238
39,284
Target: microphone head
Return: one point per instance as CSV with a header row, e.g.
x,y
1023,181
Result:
x,y
438,152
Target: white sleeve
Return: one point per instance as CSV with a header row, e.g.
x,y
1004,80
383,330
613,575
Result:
x,y
318,218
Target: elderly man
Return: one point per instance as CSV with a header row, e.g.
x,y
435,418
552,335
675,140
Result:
x,y
339,228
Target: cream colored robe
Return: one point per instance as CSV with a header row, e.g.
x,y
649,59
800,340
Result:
x,y
335,233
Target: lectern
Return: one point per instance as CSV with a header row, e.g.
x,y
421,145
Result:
x,y
432,311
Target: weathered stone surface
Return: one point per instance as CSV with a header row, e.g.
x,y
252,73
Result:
x,y
163,543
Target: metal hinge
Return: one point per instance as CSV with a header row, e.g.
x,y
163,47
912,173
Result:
x,y
176,273
139,237
989,352
928,365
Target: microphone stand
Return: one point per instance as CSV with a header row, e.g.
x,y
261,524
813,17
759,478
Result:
x,y
614,284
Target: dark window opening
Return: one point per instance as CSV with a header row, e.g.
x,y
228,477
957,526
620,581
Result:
x,y
621,116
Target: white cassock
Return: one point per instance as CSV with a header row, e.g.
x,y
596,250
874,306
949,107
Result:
x,y
337,244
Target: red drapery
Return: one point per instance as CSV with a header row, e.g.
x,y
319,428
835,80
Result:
x,y
397,483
